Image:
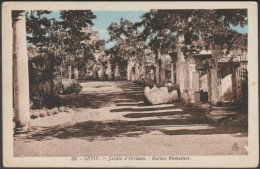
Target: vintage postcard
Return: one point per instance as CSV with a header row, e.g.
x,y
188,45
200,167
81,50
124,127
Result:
x,y
130,84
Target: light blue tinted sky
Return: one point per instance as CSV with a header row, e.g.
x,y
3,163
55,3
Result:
x,y
104,19
240,29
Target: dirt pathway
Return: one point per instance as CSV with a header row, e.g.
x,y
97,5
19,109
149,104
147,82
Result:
x,y
112,118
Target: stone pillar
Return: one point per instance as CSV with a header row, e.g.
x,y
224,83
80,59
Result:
x,y
109,67
239,85
172,73
185,76
76,73
178,72
137,72
181,76
234,83
196,87
117,72
196,81
190,79
181,61
179,68
162,75
94,72
102,71
21,72
213,86
220,95
209,86
185,90
133,73
69,72
152,77
192,70
144,74
140,72
157,73
129,70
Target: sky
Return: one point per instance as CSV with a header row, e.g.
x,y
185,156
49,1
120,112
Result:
x,y
104,19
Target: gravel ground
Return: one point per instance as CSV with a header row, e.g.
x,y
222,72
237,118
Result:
x,y
113,119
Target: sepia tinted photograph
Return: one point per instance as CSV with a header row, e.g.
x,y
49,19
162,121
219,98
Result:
x,y
141,85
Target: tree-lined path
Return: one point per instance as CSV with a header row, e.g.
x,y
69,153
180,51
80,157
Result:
x,y
107,117
189,52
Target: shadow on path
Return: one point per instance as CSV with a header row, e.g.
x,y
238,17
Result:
x,y
129,91
106,130
96,130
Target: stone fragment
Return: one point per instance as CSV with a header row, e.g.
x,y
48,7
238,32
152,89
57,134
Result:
x,y
146,91
222,113
206,106
186,97
170,87
174,96
164,89
216,118
160,95
62,109
34,115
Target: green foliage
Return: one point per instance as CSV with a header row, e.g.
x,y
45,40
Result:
x,y
61,41
122,32
68,87
164,42
37,26
214,26
75,20
40,96
128,42
56,43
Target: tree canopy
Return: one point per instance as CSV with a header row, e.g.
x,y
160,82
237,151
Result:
x,y
213,26
128,41
58,42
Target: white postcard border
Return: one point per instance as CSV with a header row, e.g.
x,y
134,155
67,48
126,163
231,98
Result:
x,y
250,160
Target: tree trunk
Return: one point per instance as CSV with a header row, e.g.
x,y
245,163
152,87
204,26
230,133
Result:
x,y
52,79
61,72
21,73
